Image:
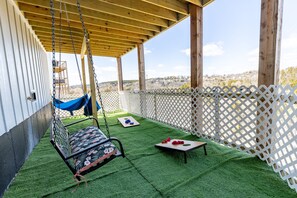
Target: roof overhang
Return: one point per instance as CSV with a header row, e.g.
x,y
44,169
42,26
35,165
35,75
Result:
x,y
115,26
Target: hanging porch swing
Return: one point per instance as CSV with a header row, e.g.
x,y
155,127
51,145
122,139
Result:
x,y
89,148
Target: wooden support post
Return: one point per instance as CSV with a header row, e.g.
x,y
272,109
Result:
x,y
93,90
270,39
92,81
141,67
196,30
196,13
120,74
83,71
141,74
269,60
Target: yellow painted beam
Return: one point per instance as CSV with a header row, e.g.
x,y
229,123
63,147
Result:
x,y
83,71
83,47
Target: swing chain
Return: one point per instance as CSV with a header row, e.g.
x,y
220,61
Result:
x,y
54,63
92,63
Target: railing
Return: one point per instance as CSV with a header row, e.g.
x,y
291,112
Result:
x,y
261,121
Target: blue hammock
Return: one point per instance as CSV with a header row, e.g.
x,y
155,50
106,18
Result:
x,y
88,107
72,105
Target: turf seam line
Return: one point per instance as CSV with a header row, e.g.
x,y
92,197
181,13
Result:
x,y
144,176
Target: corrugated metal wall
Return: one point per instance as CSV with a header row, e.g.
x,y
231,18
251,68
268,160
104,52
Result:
x,y
23,68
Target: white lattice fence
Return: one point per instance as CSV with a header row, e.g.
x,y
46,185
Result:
x,y
261,121
110,101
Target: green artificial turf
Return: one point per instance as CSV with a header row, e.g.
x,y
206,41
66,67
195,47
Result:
x,y
150,172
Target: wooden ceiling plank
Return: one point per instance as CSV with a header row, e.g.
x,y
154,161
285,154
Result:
x,y
44,28
105,54
173,5
78,46
144,7
95,39
196,2
206,2
88,6
43,19
95,14
88,20
118,11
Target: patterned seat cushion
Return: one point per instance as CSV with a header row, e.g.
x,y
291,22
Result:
x,y
85,138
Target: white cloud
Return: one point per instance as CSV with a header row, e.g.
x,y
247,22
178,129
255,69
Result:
x,y
186,51
160,65
210,49
105,70
288,53
180,68
147,51
253,56
290,42
213,49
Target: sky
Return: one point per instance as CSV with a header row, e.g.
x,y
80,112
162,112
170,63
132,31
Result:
x,y
231,31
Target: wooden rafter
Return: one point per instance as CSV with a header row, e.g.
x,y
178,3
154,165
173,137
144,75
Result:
x,y
33,12
119,24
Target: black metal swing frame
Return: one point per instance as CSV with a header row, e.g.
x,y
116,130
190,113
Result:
x,y
92,146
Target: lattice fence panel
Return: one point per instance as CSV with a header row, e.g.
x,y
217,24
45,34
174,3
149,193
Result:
x,y
259,120
66,114
134,104
110,101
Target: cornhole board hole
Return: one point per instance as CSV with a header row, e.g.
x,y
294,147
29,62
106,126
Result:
x,y
125,121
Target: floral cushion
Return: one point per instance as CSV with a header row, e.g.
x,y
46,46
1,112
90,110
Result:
x,y
85,138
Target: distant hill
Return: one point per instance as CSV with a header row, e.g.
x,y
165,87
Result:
x,y
288,76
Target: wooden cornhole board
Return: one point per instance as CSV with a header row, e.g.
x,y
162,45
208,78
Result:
x,y
123,119
187,146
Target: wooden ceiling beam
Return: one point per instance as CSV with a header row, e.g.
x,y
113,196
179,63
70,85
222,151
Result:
x,y
96,6
67,38
46,30
200,3
93,28
196,2
69,50
118,11
93,41
78,46
173,5
95,14
146,8
74,18
105,54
